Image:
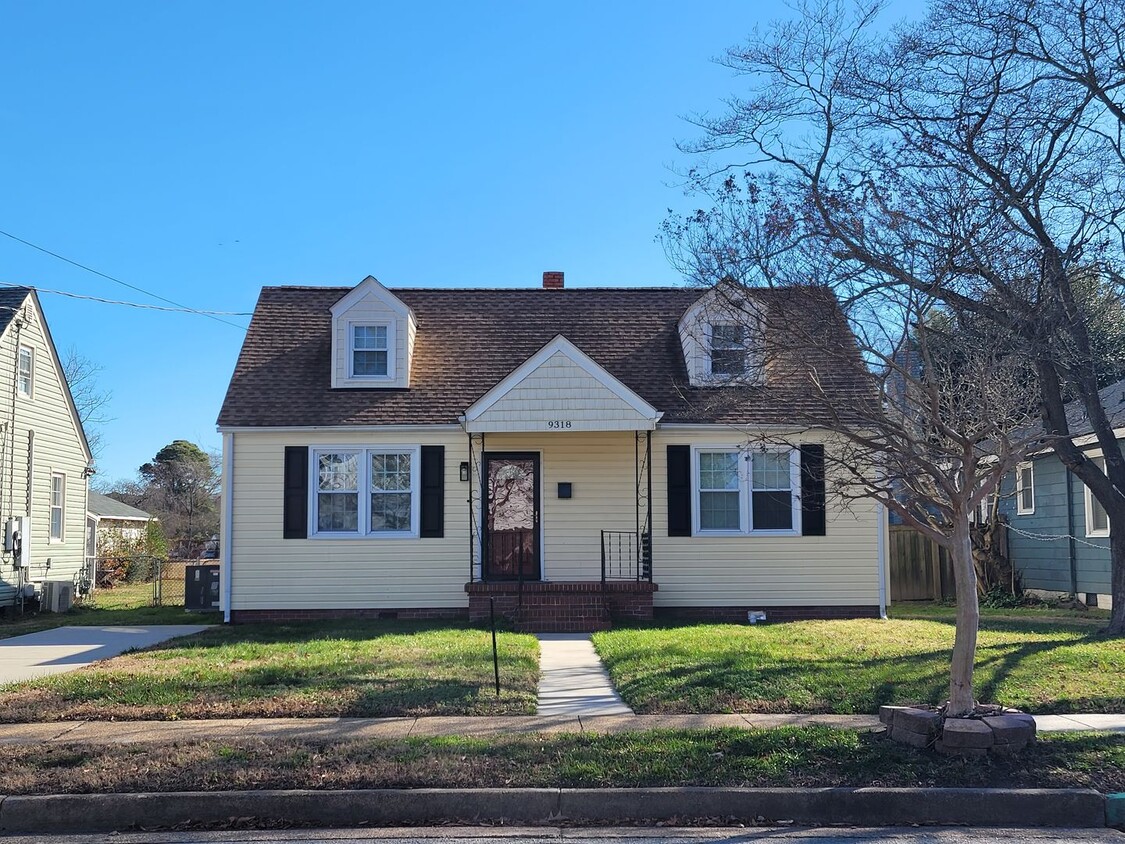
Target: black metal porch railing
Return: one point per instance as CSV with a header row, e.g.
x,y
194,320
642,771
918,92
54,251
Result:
x,y
626,555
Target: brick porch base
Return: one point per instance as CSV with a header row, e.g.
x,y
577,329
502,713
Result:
x,y
562,607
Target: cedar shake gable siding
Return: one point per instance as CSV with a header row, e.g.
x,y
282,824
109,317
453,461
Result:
x,y
470,339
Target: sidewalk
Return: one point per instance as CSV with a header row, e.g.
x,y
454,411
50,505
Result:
x,y
344,729
573,680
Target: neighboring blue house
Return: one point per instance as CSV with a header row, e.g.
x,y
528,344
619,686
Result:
x,y
1059,534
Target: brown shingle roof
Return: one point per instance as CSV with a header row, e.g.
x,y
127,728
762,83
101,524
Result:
x,y
469,339
11,300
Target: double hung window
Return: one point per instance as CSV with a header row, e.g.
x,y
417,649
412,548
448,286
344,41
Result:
x,y
1025,489
58,505
365,492
1097,520
728,349
26,371
370,351
739,491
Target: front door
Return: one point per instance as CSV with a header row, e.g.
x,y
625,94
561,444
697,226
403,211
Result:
x,y
511,516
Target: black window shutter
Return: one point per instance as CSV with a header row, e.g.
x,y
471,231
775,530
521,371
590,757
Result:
x,y
433,491
679,490
812,490
296,509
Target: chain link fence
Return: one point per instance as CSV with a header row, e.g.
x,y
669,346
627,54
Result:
x,y
163,578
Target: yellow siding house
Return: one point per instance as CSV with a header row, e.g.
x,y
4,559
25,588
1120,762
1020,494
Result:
x,y
574,456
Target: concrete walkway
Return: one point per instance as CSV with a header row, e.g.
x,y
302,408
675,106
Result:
x,y
572,679
69,648
345,729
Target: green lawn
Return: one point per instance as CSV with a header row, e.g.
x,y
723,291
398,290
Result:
x,y
360,668
1036,663
813,756
123,605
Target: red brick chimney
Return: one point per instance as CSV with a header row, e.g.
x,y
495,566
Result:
x,y
553,280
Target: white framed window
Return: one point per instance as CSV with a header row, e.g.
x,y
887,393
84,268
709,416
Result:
x,y
370,351
25,379
739,491
1025,489
58,506
1097,520
392,478
727,346
337,491
720,485
772,498
365,491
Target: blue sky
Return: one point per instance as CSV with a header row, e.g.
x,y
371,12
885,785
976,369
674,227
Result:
x,y
202,150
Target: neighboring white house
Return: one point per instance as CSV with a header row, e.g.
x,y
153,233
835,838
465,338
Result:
x,y
44,457
413,453
117,526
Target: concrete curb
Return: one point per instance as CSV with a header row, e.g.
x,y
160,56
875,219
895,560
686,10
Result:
x,y
1115,810
1074,808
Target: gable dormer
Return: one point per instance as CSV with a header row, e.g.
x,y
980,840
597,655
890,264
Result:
x,y
722,338
372,339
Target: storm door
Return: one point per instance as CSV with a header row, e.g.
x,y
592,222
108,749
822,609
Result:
x,y
511,516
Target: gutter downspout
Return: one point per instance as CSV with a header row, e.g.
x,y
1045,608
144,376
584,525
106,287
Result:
x,y
881,553
1071,541
226,533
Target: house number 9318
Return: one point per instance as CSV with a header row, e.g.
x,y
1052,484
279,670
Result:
x,y
558,424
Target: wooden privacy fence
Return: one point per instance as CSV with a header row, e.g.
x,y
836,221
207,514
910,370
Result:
x,y
920,568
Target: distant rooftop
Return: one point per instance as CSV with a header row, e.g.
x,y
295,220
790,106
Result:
x,y
1113,400
110,508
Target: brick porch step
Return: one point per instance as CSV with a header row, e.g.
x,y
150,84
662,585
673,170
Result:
x,y
562,606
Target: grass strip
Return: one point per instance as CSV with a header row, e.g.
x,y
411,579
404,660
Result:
x,y
337,669
789,757
1036,663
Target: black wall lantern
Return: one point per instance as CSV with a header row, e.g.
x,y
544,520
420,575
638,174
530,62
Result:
x,y
464,470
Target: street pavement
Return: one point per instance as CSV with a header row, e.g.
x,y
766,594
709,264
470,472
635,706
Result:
x,y
628,835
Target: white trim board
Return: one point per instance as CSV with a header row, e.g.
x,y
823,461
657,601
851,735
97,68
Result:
x,y
371,286
388,429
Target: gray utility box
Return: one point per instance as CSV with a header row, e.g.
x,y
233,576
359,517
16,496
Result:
x,y
201,588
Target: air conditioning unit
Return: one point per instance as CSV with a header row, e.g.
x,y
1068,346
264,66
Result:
x,y
57,595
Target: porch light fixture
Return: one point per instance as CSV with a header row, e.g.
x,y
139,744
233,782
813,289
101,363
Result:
x,y
566,489
464,470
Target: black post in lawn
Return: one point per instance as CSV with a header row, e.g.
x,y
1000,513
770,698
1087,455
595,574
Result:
x,y
495,658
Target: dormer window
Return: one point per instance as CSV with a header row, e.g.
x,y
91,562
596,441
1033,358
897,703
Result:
x,y
728,349
370,351
723,338
373,334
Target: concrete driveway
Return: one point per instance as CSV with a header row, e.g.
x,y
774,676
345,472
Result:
x,y
69,648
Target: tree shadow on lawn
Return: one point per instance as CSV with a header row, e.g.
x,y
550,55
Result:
x,y
836,684
349,669
310,631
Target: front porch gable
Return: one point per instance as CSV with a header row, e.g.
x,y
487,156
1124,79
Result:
x,y
560,389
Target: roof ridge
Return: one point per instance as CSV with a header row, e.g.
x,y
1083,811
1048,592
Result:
x,y
618,289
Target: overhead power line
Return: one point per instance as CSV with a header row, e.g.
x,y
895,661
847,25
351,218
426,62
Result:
x,y
177,306
167,308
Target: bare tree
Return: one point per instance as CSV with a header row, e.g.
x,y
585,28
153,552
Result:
x,y
975,158
946,411
90,400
